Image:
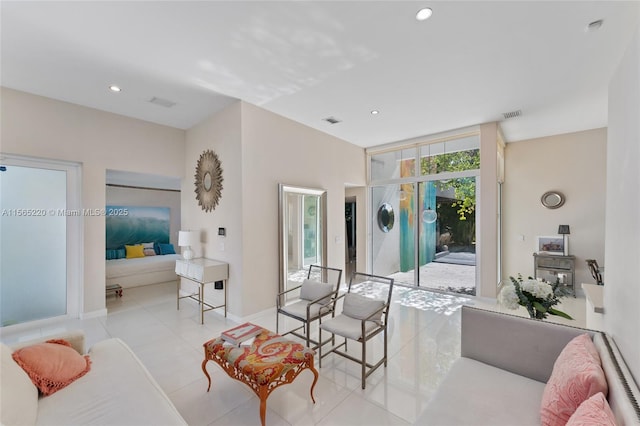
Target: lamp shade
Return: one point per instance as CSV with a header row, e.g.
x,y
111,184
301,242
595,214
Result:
x,y
186,238
563,229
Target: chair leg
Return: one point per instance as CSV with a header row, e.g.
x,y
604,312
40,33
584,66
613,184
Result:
x,y
277,322
319,347
364,362
308,333
384,333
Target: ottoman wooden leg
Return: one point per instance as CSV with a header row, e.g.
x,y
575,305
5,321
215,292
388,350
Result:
x,y
315,379
206,373
263,403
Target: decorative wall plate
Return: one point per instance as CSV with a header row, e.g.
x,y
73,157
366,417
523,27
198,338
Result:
x,y
208,180
552,199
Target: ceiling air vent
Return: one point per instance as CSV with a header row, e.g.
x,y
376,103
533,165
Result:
x,y
162,102
332,120
512,114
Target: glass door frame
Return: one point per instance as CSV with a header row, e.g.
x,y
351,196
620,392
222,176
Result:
x,y
74,233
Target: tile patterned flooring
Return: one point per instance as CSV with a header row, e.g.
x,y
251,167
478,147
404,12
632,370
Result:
x,y
424,340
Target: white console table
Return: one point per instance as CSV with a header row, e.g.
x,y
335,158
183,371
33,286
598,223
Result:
x,y
202,271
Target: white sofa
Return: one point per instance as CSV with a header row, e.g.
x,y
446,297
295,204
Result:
x,y
505,363
118,390
141,271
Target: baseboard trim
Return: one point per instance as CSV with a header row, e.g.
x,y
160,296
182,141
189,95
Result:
x,y
94,314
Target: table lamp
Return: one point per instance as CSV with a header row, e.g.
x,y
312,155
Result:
x,y
564,231
185,239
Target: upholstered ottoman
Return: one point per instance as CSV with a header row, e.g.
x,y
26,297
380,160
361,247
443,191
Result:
x,y
269,362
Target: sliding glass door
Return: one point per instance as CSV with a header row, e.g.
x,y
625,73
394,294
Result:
x,y
447,225
423,204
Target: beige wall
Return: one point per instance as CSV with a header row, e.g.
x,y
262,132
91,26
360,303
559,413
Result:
x,y
258,150
45,128
278,150
220,133
574,164
622,250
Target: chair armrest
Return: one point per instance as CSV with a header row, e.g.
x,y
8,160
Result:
x,y
332,295
290,290
331,302
376,312
326,306
278,295
368,319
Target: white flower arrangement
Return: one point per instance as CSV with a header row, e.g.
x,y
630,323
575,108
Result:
x,y
537,295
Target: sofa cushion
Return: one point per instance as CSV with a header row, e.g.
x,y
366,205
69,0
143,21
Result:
x,y
52,365
312,290
20,405
361,307
595,411
475,393
299,309
166,249
134,251
577,375
118,391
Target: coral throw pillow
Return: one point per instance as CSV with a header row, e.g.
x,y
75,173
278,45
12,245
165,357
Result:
x,y
52,365
595,411
577,375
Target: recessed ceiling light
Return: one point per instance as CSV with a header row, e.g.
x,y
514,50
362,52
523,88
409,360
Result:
x,y
115,88
424,14
594,26
375,112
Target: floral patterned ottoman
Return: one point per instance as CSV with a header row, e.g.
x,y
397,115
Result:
x,y
269,362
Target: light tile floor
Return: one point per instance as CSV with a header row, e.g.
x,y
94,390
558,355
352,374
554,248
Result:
x,y
424,340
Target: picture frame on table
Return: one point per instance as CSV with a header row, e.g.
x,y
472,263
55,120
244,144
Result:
x,y
552,244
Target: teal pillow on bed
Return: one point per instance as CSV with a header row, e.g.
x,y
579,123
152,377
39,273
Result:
x,y
167,249
116,254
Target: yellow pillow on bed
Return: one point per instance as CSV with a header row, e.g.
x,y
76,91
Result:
x,y
134,251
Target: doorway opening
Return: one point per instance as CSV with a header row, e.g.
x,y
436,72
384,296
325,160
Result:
x,y
351,258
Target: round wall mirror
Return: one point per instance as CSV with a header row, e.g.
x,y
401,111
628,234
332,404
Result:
x,y
385,217
208,180
552,199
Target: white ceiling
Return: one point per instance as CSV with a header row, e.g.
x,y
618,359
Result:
x,y
468,64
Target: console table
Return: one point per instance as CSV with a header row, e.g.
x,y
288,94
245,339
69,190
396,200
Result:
x,y
202,271
550,267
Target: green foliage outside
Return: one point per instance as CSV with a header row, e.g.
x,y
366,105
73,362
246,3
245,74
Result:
x,y
465,189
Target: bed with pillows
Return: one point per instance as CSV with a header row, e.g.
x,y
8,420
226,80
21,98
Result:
x,y
141,264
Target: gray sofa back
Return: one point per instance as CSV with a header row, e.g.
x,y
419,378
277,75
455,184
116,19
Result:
x,y
530,347
519,345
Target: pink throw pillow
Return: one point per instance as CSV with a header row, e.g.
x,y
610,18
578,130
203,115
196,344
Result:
x,y
577,375
52,365
595,411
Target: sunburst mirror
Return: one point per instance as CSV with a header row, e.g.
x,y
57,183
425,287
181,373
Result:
x,y
208,180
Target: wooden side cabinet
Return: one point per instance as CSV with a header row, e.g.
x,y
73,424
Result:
x,y
552,268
